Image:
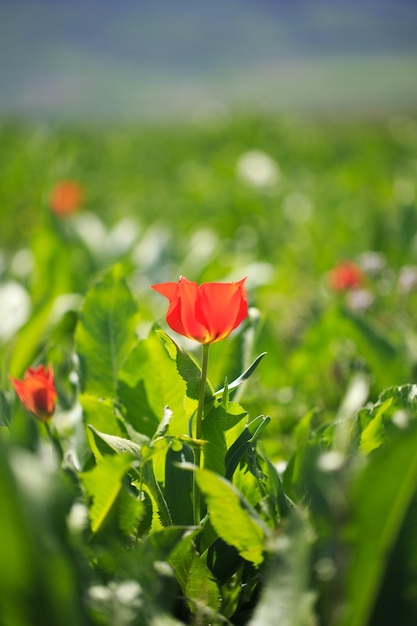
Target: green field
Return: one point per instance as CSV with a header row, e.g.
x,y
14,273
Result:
x,y
283,200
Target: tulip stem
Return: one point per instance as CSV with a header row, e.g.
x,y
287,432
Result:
x,y
56,444
199,428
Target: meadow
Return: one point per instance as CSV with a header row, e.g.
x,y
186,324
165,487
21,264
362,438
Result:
x,y
282,488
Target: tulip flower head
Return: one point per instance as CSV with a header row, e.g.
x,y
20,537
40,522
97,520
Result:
x,y
207,312
66,198
346,276
37,392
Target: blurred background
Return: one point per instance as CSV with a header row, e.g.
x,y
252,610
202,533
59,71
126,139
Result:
x,y
215,140
153,59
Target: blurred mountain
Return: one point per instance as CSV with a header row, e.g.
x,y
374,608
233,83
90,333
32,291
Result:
x,y
168,58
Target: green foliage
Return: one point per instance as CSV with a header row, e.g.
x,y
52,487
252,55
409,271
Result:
x,y
304,476
246,533
103,345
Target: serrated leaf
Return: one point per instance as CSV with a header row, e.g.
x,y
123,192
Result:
x,y
232,517
194,577
105,333
103,484
131,511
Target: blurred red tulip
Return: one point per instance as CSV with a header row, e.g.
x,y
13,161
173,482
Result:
x,y
37,391
66,198
346,276
207,312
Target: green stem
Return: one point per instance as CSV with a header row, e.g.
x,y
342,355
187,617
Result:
x,y
55,443
199,428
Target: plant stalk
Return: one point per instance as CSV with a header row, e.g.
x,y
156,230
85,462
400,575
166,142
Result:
x,y
199,428
55,443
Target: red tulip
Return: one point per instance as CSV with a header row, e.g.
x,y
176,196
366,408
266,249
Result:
x,y
207,312
37,392
66,198
346,276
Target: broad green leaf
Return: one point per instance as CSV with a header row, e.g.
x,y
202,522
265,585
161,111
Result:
x,y
149,383
381,495
194,577
103,484
101,413
105,333
232,517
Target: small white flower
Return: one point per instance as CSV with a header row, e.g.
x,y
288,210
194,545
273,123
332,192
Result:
x,y
258,169
15,306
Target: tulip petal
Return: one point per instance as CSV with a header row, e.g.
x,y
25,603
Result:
x,y
221,307
205,313
37,391
180,316
185,313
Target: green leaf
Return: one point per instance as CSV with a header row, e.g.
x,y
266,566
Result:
x,y
186,366
103,484
118,444
380,499
245,440
179,484
105,333
286,599
232,517
101,415
246,374
131,511
5,408
148,476
194,577
149,383
214,425
373,435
